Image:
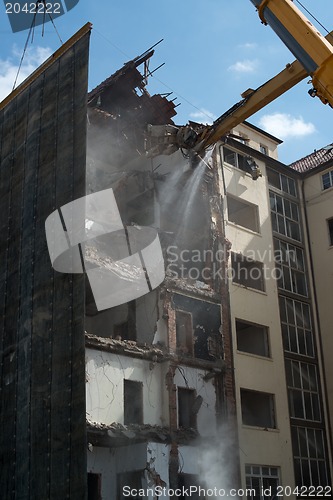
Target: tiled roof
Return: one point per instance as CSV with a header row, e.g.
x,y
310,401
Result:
x,y
313,160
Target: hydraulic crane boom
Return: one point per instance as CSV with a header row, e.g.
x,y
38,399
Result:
x,y
314,55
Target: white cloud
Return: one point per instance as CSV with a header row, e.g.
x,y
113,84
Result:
x,y
285,126
203,116
248,45
246,66
8,67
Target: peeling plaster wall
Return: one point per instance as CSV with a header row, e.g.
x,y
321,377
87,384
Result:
x,y
105,373
192,378
112,461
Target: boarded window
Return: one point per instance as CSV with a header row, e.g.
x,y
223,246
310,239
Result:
x,y
187,414
258,409
252,338
184,332
247,272
133,402
243,213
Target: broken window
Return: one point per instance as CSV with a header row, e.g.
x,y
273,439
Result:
x,y
243,213
261,478
237,160
258,409
187,411
133,402
252,338
330,231
285,217
198,324
128,483
94,486
246,272
184,332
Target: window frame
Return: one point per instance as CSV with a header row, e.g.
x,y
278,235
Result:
x,y
266,339
247,416
246,204
288,217
139,411
258,472
296,326
303,390
237,258
329,173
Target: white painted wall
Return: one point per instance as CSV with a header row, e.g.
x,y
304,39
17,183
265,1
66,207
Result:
x,y
259,446
105,373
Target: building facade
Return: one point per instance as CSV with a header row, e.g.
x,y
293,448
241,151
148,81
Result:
x,y
280,232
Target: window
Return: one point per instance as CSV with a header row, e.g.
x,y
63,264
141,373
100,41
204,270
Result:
x,y
262,479
248,273
281,182
327,180
184,332
285,217
330,231
291,267
243,213
245,163
263,149
296,326
303,390
133,480
309,456
94,486
258,409
133,402
252,338
187,412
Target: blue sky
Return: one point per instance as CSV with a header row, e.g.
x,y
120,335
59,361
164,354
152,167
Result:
x,y
213,50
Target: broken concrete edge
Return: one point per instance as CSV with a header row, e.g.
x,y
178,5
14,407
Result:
x,y
116,434
153,353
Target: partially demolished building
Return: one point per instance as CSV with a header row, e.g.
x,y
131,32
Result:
x,y
214,375
159,373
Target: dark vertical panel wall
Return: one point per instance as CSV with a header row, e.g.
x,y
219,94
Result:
x,y
42,166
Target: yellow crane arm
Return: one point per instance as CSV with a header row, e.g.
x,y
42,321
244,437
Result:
x,y
253,101
308,45
314,57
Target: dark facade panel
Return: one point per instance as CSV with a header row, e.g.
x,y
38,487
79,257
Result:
x,y
42,166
